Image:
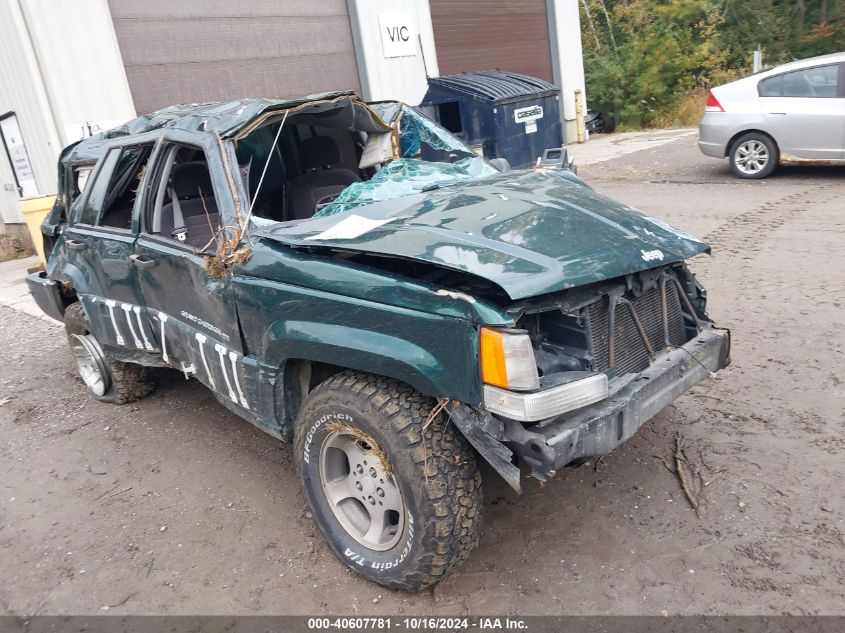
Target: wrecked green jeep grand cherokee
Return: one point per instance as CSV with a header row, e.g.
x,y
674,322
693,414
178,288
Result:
x,y
354,279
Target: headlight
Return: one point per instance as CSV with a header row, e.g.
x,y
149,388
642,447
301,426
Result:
x,y
507,360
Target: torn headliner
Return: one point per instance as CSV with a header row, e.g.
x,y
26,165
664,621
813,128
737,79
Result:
x,y
225,119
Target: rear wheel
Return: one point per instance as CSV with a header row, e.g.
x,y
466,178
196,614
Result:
x,y
754,155
399,509
107,380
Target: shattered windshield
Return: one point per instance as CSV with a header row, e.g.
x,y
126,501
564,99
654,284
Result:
x,y
429,157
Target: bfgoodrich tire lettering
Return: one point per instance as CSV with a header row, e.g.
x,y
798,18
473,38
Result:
x,y
439,483
126,382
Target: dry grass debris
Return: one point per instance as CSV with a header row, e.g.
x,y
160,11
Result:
x,y
365,440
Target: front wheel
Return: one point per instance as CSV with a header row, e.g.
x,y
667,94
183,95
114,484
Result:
x,y
398,508
754,155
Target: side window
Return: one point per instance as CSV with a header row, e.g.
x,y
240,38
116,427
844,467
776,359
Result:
x,y
116,186
79,180
772,86
123,187
184,207
818,82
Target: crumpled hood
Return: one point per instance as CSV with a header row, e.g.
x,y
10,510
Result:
x,y
530,232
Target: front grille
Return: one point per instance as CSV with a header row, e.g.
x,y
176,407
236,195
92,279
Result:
x,y
631,353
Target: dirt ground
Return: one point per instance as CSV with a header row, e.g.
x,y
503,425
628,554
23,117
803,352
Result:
x,y
175,506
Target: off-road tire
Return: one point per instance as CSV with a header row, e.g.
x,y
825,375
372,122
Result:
x,y
129,381
440,483
771,146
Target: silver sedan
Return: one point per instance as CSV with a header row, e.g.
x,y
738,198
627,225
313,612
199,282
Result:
x,y
792,114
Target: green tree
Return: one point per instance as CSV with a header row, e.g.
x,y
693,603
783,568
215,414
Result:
x,y
645,58
647,55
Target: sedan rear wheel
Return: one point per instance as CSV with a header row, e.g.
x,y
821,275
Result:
x,y
753,155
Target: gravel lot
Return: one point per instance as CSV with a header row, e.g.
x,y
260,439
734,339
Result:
x,y
175,506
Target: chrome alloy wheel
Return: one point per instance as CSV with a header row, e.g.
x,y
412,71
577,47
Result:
x,y
91,362
364,499
752,157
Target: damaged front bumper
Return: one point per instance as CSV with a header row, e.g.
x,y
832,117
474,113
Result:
x,y
599,428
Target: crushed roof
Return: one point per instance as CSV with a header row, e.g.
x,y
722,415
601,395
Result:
x,y
222,118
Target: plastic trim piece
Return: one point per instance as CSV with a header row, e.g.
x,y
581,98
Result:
x,y
539,405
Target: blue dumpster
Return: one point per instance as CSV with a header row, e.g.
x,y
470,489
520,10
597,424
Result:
x,y
502,114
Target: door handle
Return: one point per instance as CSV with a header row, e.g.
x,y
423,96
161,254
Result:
x,y
142,261
76,245
780,113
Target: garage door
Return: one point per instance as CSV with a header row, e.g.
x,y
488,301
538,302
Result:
x,y
181,51
489,34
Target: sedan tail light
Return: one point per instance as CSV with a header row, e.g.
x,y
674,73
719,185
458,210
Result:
x,y
713,104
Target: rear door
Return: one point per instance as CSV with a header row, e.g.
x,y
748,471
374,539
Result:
x,y
99,242
805,110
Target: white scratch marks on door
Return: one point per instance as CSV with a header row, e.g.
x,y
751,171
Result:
x,y
147,345
234,358
111,304
221,352
201,339
162,317
127,308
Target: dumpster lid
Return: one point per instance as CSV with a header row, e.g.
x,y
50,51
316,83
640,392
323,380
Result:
x,y
495,85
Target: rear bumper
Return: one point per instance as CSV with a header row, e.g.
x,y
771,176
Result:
x,y
716,150
46,294
598,429
714,132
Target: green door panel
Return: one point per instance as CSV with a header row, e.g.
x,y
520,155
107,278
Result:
x,y
176,285
104,261
99,267
434,354
119,324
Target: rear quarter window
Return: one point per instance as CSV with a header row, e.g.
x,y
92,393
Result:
x,y
818,82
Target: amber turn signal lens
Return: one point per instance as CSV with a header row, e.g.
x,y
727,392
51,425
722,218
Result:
x,y
493,368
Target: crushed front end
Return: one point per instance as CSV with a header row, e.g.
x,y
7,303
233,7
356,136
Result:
x,y
608,357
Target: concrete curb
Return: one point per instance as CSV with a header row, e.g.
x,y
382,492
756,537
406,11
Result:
x,y
604,147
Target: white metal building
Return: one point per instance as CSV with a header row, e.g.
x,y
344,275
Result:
x,y
69,68
61,75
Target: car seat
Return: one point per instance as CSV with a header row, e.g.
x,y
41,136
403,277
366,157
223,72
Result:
x,y
191,216
322,178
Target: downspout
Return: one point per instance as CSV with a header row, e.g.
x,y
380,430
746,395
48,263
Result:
x,y
554,51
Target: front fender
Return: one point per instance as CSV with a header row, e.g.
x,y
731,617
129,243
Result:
x,y
436,355
364,350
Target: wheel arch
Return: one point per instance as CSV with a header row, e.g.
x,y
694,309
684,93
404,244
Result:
x,y
438,362
73,281
741,133
299,376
